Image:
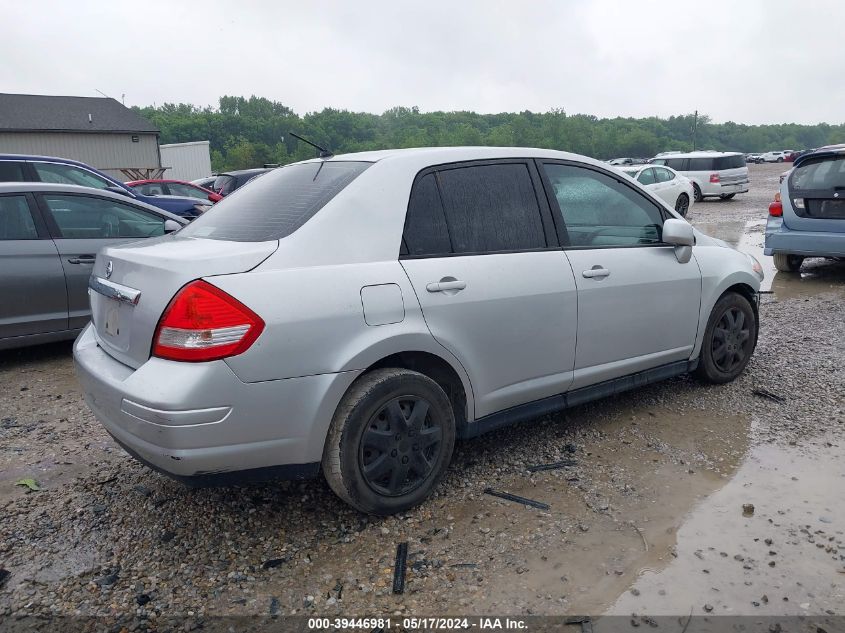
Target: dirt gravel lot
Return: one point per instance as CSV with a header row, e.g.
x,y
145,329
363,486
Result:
x,y
649,519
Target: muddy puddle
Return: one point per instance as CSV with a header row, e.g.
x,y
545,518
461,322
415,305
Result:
x,y
784,556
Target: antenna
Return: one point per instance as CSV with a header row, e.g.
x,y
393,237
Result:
x,y
324,153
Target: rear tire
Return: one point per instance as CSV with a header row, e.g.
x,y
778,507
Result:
x,y
696,193
729,340
726,196
390,441
780,160
682,205
788,263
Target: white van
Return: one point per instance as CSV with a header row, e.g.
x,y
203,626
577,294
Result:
x,y
713,174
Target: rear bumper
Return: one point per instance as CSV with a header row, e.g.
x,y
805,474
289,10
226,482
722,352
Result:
x,y
718,189
780,239
199,423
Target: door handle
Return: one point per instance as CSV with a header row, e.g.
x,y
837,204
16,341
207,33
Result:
x,y
596,272
446,284
82,259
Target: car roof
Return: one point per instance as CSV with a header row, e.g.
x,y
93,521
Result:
x,y
155,180
49,187
833,152
245,172
702,154
416,157
37,158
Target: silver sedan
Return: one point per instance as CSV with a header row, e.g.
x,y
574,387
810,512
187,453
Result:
x,y
357,314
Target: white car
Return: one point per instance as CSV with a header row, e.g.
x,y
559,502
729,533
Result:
x,y
713,174
665,183
775,157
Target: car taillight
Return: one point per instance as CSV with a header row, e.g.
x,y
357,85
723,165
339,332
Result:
x,y
776,209
714,178
203,323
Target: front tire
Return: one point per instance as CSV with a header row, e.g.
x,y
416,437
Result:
x,y
682,205
788,263
696,193
729,340
390,441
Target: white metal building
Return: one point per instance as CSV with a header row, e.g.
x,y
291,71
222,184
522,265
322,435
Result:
x,y
101,132
186,161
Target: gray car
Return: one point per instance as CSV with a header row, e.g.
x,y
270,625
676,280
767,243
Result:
x,y
357,314
49,236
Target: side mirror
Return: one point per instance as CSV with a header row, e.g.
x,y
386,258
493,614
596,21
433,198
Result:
x,y
214,197
171,225
680,234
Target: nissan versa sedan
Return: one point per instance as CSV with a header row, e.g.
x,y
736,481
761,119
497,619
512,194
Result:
x,y
49,236
356,314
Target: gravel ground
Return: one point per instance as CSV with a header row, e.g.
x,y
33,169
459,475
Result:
x,y
105,536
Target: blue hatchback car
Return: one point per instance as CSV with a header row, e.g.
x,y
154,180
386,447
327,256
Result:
x,y
807,218
25,168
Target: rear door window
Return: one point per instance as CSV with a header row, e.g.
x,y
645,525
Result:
x,y
86,217
678,164
277,204
646,177
11,171
700,164
69,175
178,189
663,175
426,232
16,222
491,208
601,212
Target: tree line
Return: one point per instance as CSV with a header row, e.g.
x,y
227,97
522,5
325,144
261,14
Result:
x,y
249,132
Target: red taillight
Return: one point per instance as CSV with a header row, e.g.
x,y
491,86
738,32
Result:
x,y
203,323
776,209
714,178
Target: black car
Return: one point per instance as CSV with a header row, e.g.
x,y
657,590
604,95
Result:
x,y
228,181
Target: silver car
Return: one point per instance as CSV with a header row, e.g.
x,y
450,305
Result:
x,y
49,236
357,314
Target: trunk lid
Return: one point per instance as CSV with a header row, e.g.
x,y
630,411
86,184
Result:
x,y
132,284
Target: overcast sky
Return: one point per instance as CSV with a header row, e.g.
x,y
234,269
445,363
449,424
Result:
x,y
749,61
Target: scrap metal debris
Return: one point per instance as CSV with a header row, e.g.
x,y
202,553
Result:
x,y
523,500
553,466
400,568
765,393
583,620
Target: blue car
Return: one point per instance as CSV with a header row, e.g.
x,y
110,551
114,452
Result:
x,y
24,168
807,218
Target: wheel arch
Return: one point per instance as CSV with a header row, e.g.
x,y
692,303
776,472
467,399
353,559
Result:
x,y
740,283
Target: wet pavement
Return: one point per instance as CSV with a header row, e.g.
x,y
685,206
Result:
x,y
652,517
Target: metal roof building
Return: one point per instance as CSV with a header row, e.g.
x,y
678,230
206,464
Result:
x,y
98,131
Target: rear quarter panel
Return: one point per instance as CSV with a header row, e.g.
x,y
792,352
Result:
x,y
315,322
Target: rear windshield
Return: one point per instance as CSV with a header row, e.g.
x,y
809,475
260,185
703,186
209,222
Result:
x,y
819,174
277,204
730,162
224,184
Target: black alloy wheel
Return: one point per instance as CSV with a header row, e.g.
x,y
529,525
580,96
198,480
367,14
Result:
x,y
400,446
682,204
731,339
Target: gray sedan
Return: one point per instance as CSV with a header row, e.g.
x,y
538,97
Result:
x,y
49,238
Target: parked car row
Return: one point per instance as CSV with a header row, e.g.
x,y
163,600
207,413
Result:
x,y
712,174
